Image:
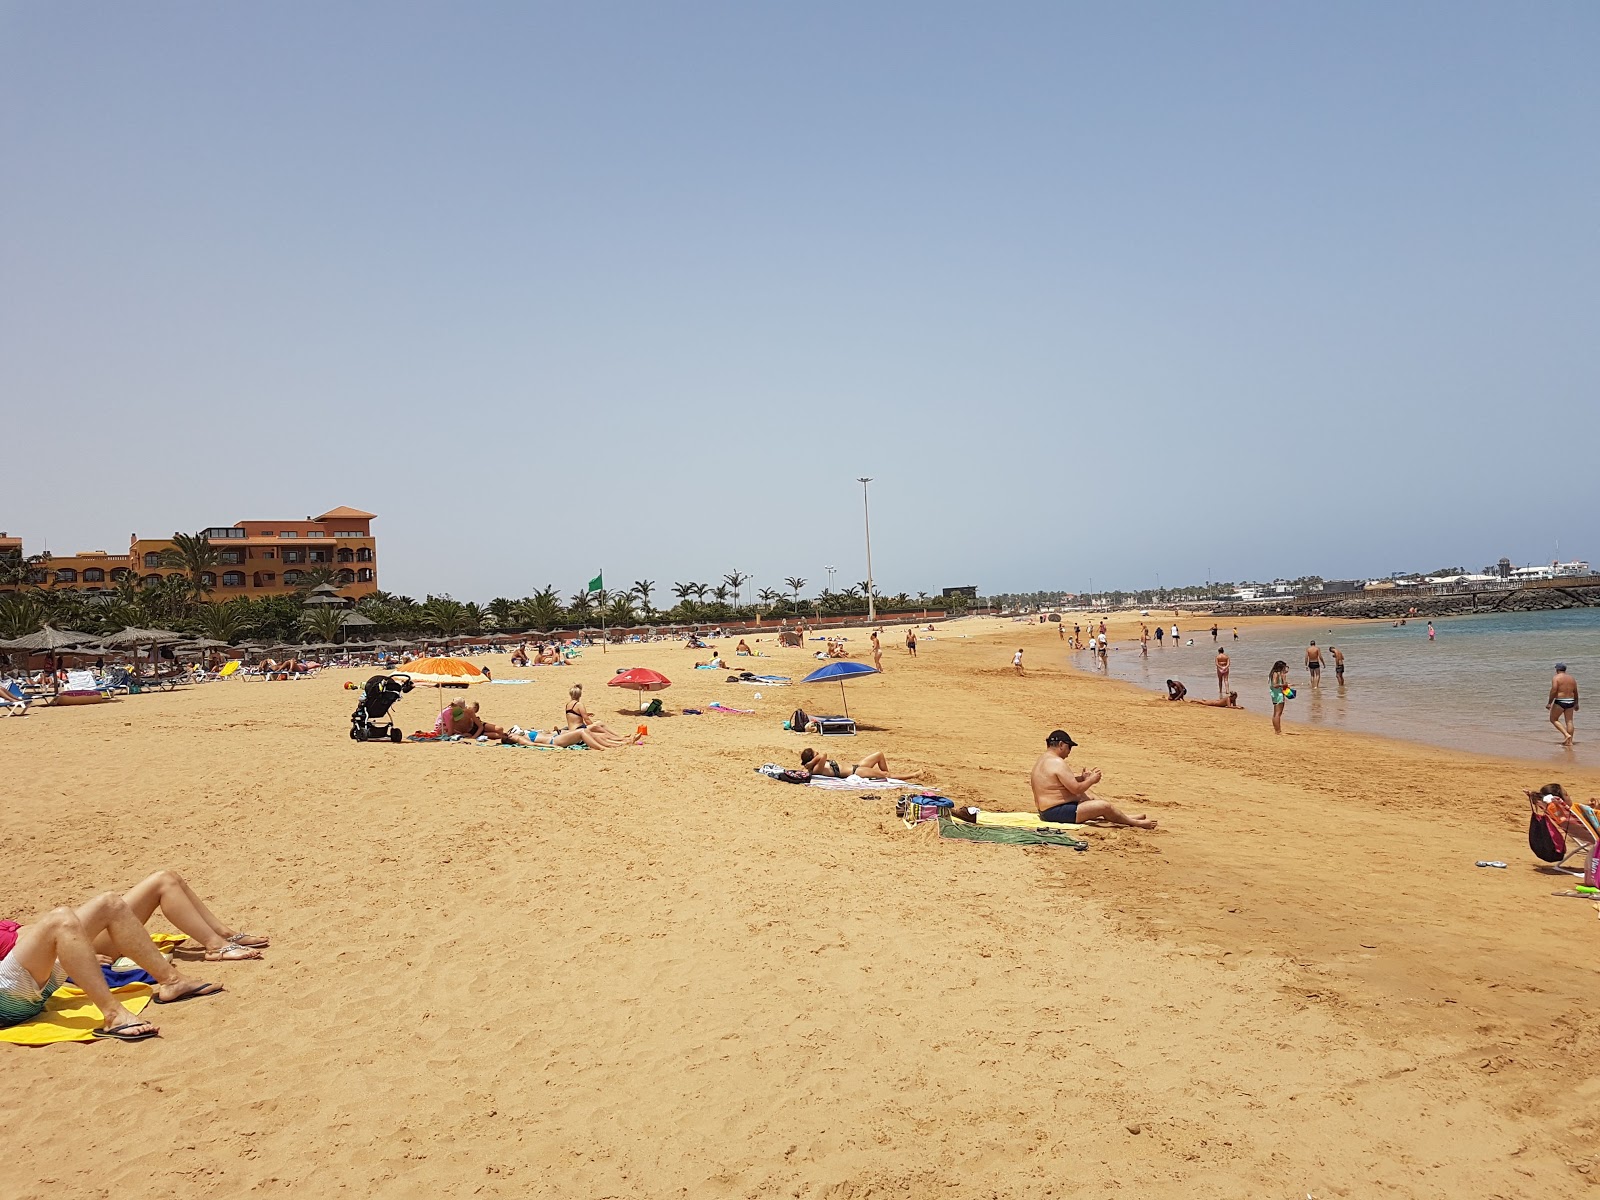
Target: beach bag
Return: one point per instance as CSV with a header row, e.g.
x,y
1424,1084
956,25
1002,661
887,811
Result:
x,y
793,776
1545,839
799,720
8,936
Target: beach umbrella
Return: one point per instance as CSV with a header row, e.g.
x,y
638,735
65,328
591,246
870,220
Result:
x,y
641,680
442,672
48,641
841,671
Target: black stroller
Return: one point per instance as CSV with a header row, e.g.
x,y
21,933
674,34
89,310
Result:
x,y
371,721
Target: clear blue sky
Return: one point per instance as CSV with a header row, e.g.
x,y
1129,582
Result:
x,y
1225,290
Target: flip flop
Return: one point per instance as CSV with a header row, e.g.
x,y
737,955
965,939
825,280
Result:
x,y
256,941
124,1033
209,989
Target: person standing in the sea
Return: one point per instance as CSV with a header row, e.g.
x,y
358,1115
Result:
x,y
1563,702
1430,631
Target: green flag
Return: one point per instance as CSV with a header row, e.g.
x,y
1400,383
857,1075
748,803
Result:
x,y
596,584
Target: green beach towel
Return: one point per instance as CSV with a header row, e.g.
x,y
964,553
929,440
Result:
x,y
963,831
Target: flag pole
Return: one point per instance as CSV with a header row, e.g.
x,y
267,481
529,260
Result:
x,y
603,638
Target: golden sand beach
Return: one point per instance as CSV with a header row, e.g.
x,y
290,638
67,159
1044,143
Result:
x,y
652,972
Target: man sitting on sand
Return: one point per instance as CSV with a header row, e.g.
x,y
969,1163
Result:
x,y
1176,690
71,941
873,766
1062,795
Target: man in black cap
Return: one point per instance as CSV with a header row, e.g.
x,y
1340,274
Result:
x,y
1062,795
1563,702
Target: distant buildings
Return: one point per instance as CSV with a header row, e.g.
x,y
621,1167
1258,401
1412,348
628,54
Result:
x,y
254,558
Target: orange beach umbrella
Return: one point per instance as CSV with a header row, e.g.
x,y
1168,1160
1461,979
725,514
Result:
x,y
444,672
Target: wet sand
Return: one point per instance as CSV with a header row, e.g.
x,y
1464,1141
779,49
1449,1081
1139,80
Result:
x,y
652,972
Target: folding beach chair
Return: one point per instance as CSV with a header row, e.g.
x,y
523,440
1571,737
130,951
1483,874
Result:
x,y
84,681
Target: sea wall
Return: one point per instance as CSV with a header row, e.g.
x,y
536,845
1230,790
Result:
x,y
1401,604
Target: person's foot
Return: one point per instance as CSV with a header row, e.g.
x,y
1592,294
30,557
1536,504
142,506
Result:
x,y
131,1030
185,989
258,940
231,952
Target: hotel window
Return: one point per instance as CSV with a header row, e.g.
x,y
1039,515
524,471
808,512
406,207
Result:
x,y
94,575
222,531
150,581
233,579
269,554
232,556
364,554
207,579
66,575
152,559
316,533
318,556
346,554
291,577
346,576
288,533
364,575
119,573
349,533
294,556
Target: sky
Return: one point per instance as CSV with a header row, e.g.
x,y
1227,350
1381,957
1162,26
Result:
x,y
1097,295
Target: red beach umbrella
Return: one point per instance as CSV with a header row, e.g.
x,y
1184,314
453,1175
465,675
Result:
x,y
641,680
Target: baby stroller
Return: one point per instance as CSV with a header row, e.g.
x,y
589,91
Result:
x,y
371,721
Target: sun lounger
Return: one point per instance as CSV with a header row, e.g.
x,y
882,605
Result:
x,y
14,699
835,726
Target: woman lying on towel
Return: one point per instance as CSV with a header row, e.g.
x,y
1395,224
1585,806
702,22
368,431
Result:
x,y
873,766
460,719
36,958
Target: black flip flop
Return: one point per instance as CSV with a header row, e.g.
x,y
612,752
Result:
x,y
120,1033
210,989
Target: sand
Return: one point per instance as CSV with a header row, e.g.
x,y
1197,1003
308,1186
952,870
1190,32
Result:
x,y
651,972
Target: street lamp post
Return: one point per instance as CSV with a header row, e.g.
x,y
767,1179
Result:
x,y
866,513
830,571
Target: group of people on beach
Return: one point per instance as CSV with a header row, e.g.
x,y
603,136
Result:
x,y
460,718
73,943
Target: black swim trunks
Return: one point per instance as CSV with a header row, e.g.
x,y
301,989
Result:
x,y
1313,666
1061,814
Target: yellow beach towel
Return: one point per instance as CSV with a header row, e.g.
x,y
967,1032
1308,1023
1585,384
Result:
x,y
1020,820
69,1017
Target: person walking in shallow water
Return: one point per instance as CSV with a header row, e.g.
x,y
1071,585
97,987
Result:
x,y
1563,702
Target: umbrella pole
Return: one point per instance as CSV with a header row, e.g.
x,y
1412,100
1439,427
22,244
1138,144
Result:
x,y
842,698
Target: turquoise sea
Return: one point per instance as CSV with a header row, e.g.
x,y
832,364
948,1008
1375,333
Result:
x,y
1480,685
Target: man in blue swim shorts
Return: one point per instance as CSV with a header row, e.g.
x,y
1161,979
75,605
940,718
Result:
x,y
1062,794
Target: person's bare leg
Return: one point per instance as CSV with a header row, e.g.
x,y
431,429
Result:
x,y
1555,719
1104,810
109,913
1277,718
171,893
873,766
1566,714
59,936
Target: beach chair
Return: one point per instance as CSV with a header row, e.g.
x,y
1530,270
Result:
x,y
1560,830
14,699
835,726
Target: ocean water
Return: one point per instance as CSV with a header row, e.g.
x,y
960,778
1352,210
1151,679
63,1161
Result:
x,y
1480,685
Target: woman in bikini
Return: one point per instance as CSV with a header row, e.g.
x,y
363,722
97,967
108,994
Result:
x,y
873,766
578,718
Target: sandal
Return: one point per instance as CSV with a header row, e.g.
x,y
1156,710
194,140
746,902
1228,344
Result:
x,y
259,941
231,952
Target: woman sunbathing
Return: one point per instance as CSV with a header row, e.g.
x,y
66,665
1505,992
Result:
x,y
461,719
744,649
1231,702
873,766
578,719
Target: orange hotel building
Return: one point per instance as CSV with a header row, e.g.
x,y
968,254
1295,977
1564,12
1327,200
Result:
x,y
256,558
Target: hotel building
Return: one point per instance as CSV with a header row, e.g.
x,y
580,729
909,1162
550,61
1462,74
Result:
x,y
254,558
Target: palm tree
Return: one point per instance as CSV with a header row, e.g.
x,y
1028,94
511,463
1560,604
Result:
x,y
580,605
735,580
794,584
767,596
224,622
620,611
19,615
324,622
642,589
683,590
445,615
721,593
503,611
700,591
196,557
542,610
